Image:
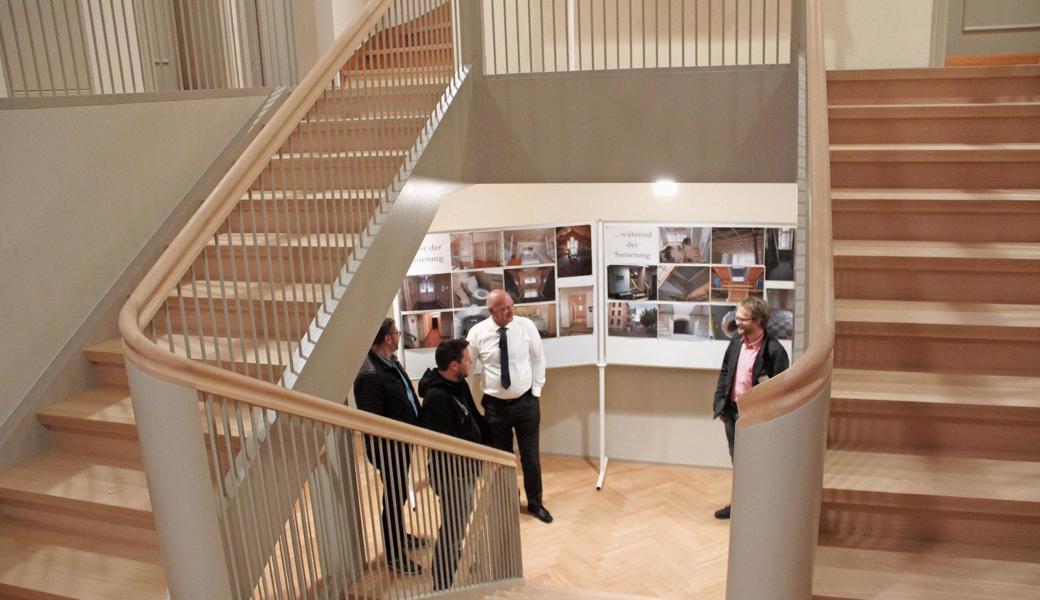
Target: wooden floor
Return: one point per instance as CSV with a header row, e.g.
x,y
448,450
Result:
x,y
649,532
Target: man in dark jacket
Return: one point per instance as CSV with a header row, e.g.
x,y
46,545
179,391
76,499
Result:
x,y
383,388
752,357
448,408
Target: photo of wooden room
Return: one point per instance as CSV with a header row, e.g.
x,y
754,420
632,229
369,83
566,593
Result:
x,y
542,315
723,322
780,254
781,322
683,283
576,316
426,330
527,285
426,292
471,288
574,251
685,322
742,246
685,244
476,250
466,318
632,319
530,246
733,284
631,282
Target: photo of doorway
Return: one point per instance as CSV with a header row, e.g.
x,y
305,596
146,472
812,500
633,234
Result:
x,y
576,316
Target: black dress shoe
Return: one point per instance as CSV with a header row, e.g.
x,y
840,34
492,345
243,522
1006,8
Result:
x,y
414,541
539,511
405,566
722,513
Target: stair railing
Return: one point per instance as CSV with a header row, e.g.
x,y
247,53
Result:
x,y
260,490
782,431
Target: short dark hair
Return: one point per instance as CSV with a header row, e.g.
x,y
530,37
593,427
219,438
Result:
x,y
449,351
384,330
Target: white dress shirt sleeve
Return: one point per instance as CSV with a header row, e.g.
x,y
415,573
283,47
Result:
x,y
537,360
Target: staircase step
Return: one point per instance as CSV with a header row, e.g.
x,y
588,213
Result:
x,y
405,99
294,258
97,422
969,166
35,563
323,171
937,414
931,86
937,271
332,211
107,357
262,359
937,215
239,308
992,504
970,123
337,134
981,338
845,574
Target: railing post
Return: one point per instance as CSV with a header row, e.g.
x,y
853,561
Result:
x,y
183,501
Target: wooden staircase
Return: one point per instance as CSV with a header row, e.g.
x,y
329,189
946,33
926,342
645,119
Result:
x,y
932,478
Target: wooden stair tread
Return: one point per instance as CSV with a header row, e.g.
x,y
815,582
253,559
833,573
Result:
x,y
940,388
937,313
932,73
934,111
875,575
40,566
840,195
108,351
940,250
385,153
325,195
952,478
85,483
295,240
247,291
240,350
1016,152
103,404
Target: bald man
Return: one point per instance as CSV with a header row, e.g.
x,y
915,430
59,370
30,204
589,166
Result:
x,y
510,351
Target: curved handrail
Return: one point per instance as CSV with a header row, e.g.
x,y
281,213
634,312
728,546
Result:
x,y
805,379
146,300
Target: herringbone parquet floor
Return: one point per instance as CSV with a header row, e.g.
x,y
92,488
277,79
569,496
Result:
x,y
649,532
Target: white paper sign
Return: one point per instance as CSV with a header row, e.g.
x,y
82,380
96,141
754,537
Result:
x,y
433,256
630,245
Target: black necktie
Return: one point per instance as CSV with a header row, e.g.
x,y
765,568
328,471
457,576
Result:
x,y
503,354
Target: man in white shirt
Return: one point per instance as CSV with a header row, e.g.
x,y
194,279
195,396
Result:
x,y
510,351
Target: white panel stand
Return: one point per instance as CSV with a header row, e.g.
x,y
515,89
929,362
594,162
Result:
x,y
601,338
603,460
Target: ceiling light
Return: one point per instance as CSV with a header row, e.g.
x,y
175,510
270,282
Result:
x,y
665,188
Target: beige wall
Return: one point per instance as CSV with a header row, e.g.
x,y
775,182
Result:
x,y
83,189
877,34
657,415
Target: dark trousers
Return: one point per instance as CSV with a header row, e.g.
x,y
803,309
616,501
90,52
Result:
x,y
524,416
730,423
455,494
393,460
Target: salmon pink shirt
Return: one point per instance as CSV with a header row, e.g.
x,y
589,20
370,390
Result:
x,y
745,365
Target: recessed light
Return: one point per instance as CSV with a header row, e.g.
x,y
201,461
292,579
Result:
x,y
665,188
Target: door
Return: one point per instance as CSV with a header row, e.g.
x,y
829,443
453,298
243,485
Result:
x,y
990,32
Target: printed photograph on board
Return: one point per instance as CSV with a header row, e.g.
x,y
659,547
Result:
x,y
542,315
684,322
733,284
685,244
530,246
574,251
631,282
780,254
723,322
576,316
741,246
632,319
534,284
426,292
781,321
681,283
476,250
466,318
426,330
471,288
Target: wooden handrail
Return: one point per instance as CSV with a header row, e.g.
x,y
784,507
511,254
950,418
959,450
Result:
x,y
151,293
804,381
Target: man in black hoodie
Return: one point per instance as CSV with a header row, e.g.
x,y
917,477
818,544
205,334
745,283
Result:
x,y
448,408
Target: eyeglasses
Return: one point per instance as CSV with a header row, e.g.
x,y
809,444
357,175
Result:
x,y
740,320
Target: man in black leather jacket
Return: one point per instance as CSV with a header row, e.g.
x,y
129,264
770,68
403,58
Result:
x,y
448,408
382,387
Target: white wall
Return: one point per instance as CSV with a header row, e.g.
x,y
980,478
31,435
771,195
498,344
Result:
x,y
82,190
877,34
656,415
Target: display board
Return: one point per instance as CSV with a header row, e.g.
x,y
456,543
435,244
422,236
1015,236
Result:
x,y
548,270
671,290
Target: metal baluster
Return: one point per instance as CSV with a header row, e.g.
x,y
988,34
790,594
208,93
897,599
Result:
x,y
32,50
261,302
516,21
309,562
253,516
217,468
777,33
285,422
287,259
57,43
306,500
368,474
129,51
288,535
765,4
261,436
